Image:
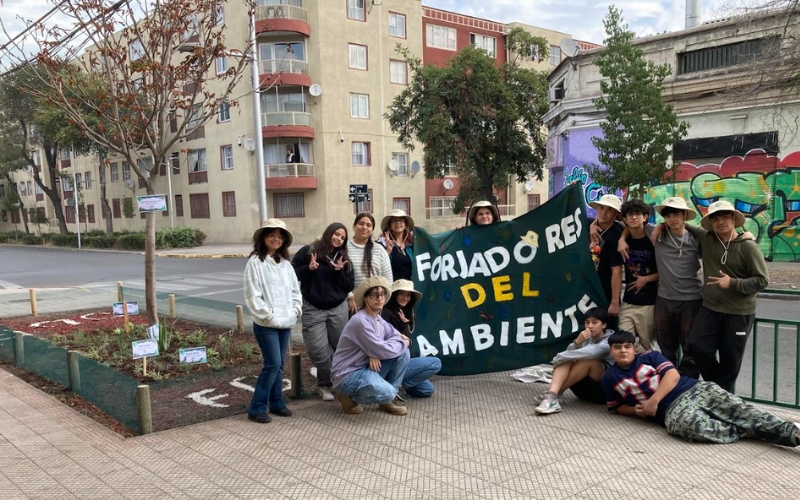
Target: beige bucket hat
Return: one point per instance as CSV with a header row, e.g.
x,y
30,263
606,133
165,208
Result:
x,y
677,203
373,282
406,286
721,206
273,224
482,204
397,214
609,200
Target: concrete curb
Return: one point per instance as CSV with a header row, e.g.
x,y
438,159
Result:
x,y
778,296
204,256
73,249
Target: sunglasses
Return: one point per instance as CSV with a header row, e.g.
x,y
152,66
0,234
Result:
x,y
376,295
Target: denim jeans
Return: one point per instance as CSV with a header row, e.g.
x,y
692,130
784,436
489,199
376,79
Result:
x,y
419,370
269,386
368,387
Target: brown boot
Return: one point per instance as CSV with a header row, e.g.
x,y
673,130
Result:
x,y
393,408
348,405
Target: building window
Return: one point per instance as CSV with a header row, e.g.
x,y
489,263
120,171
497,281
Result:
x,y
358,56
90,213
533,201
402,163
222,65
195,116
398,72
359,106
356,10
79,181
178,205
487,43
225,112
226,157
229,204
724,56
197,160
116,208
87,177
219,13
114,167
397,25
555,55
288,205
136,49
361,153
403,204
440,37
363,206
126,171
198,206
175,161
441,206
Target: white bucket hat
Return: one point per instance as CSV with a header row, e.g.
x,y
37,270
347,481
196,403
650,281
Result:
x,y
397,214
721,206
406,286
273,224
677,203
375,281
483,204
609,200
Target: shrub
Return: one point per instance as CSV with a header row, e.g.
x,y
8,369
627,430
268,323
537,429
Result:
x,y
101,241
3,238
199,237
32,239
15,235
132,241
65,240
177,237
96,232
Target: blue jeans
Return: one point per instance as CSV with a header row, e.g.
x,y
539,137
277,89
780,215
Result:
x,y
419,370
269,386
368,387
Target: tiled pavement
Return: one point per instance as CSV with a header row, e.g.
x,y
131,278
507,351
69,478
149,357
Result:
x,y
476,438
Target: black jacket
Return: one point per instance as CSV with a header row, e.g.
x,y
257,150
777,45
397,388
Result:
x,y
393,319
325,287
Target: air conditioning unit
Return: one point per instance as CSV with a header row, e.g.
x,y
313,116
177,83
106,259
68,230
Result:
x,y
552,95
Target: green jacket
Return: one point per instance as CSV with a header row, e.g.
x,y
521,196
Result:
x,y
745,265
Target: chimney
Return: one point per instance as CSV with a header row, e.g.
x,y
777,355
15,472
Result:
x,y
693,10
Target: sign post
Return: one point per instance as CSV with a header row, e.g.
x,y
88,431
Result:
x,y
359,193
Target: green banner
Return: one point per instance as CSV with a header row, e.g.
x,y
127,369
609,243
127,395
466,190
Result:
x,y
507,295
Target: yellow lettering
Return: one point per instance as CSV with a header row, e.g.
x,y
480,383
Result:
x,y
502,287
526,286
473,287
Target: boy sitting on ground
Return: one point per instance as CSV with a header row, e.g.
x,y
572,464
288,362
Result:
x,y
648,385
581,366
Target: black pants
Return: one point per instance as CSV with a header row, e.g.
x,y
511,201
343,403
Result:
x,y
712,332
674,321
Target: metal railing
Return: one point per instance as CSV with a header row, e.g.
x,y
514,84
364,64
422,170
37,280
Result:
x,y
264,12
507,210
290,170
272,66
271,118
775,345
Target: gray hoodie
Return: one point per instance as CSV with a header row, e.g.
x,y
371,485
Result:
x,y
590,349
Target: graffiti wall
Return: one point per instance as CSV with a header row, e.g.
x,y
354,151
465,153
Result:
x,y
765,188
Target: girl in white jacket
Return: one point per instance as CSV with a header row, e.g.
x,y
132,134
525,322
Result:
x,y
272,293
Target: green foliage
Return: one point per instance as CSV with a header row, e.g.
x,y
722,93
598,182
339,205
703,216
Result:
x,y
127,207
65,240
640,129
32,239
470,114
99,241
96,232
3,238
164,335
131,241
247,351
524,46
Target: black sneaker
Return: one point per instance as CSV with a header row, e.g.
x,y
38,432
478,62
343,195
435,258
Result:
x,y
261,418
282,412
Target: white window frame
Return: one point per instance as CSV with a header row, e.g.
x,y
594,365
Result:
x,y
136,49
402,164
126,171
195,115
394,66
197,157
224,113
221,65
79,180
485,42
356,53
219,13
555,59
405,204
359,106
441,206
87,179
395,29
440,37
226,156
357,10
360,154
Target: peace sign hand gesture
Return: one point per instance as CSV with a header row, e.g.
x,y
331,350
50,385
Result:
x,y
402,317
723,281
313,265
339,264
389,243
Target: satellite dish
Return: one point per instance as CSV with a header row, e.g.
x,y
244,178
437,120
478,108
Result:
x,y
393,165
569,47
528,186
129,183
415,167
448,184
315,90
28,169
249,144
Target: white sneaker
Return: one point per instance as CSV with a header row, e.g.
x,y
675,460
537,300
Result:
x,y
548,405
326,394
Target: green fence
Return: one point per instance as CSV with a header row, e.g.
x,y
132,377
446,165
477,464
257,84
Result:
x,y
771,367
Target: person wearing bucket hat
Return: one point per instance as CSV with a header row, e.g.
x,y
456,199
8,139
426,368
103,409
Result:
x,y
326,278
272,294
372,357
399,312
398,240
607,260
679,284
482,213
735,272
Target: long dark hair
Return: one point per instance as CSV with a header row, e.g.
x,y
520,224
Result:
x,y
323,246
408,310
260,247
366,265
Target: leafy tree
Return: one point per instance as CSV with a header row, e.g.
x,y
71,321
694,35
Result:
x,y
480,118
640,129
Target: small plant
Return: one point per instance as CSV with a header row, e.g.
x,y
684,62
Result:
x,y
59,339
196,338
80,339
246,351
164,335
155,375
93,353
224,345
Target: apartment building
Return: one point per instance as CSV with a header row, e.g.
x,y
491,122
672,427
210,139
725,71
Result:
x,y
328,71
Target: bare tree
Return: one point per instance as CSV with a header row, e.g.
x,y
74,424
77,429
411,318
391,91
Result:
x,y
149,71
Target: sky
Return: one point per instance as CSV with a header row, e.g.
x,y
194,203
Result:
x,y
580,18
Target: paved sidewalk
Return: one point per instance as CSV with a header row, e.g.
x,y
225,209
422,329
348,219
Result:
x,y
476,438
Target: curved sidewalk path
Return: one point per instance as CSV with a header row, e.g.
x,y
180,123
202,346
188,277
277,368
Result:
x,y
476,438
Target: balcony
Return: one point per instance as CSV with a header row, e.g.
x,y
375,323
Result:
x,y
281,18
284,72
291,176
287,124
